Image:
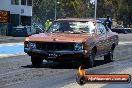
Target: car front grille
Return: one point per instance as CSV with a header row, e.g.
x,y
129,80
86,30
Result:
x,y
54,46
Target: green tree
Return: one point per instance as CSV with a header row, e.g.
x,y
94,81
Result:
x,y
118,9
44,9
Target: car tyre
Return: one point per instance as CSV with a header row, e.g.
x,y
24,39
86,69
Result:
x,y
89,62
109,57
36,61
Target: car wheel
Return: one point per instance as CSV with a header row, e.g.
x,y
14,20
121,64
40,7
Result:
x,y
36,61
109,57
89,62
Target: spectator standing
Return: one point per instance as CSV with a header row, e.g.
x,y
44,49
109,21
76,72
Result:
x,y
47,24
108,22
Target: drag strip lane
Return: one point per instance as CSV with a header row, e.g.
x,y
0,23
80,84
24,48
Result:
x,y
66,77
18,72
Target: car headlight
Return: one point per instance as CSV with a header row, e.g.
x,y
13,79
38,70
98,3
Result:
x,y
26,44
78,46
31,45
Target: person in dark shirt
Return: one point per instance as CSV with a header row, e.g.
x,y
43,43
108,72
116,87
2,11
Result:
x,y
108,22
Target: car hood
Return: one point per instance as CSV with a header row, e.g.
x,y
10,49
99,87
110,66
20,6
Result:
x,y
60,37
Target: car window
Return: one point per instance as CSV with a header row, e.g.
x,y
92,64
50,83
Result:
x,y
91,27
100,28
72,27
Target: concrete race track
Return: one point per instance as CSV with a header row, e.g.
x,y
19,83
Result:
x,y
17,71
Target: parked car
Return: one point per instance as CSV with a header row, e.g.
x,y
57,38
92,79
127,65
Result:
x,y
21,31
122,29
72,39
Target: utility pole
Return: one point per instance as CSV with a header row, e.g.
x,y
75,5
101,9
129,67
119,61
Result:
x,y
95,15
95,11
55,8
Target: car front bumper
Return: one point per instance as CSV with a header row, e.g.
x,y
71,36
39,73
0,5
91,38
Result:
x,y
56,55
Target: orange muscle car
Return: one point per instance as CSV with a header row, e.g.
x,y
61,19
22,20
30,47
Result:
x,y
72,39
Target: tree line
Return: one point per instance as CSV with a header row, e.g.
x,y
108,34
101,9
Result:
x,y
117,9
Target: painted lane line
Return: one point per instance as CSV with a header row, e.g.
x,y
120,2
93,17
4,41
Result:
x,y
9,55
125,43
11,44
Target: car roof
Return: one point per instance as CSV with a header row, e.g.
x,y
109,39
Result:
x,y
78,20
101,19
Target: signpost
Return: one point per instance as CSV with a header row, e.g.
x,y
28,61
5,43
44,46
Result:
x,y
4,20
4,16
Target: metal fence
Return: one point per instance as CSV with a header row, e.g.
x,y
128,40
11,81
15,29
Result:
x,y
3,29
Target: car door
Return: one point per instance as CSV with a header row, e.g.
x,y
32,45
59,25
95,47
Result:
x,y
106,44
101,37
110,40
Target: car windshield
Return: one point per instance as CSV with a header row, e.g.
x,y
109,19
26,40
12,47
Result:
x,y
72,27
